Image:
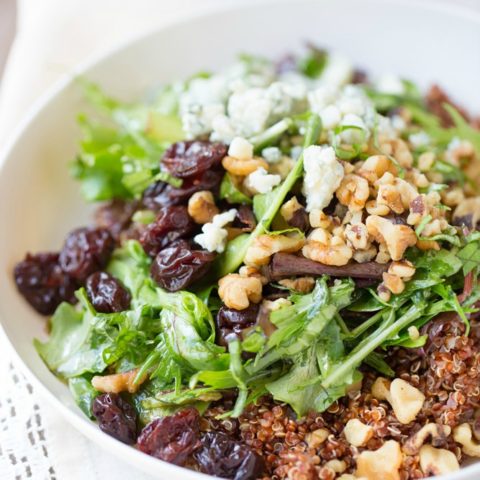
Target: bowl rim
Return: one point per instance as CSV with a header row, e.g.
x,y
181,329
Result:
x,y
83,425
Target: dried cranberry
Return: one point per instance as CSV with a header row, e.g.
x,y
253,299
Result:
x,y
116,417
230,321
177,266
225,457
172,438
162,194
106,293
184,159
42,282
115,216
86,250
172,223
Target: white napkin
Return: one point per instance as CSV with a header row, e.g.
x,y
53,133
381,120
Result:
x,y
54,36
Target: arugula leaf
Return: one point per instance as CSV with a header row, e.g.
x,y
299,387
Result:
x,y
83,393
120,158
470,256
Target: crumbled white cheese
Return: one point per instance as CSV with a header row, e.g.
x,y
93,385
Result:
x,y
353,100
321,98
260,181
323,174
214,237
240,148
338,71
330,117
419,140
390,84
272,154
353,135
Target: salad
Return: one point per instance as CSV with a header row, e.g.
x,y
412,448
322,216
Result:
x,y
281,278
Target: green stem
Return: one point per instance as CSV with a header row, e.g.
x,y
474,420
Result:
x,y
357,355
261,140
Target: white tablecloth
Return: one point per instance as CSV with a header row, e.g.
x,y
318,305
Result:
x,y
53,36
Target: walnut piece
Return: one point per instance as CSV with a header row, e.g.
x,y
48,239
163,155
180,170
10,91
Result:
x,y
118,382
357,433
299,284
289,208
436,431
406,400
383,463
317,437
264,246
236,166
396,237
437,461
324,248
463,435
237,292
201,207
353,192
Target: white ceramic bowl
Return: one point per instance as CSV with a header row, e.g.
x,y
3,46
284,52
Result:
x,y
39,203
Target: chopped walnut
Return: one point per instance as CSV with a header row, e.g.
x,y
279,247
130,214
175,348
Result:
x,y
367,255
299,284
426,161
236,166
289,208
437,461
201,207
357,236
264,246
118,382
406,400
398,149
318,219
353,192
397,237
403,269
434,430
463,435
317,437
324,248
393,282
357,433
337,466
375,167
246,271
453,196
395,193
383,463
373,208
237,292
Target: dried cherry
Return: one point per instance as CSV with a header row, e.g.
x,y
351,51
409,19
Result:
x,y
161,194
178,265
42,282
172,438
184,159
85,251
172,223
225,457
230,321
115,216
106,293
116,417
